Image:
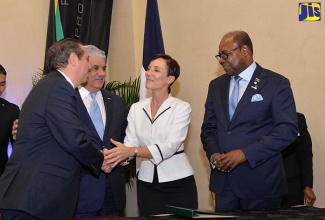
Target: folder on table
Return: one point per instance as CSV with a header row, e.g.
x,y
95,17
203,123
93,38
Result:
x,y
196,213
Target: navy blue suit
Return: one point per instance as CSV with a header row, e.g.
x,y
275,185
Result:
x,y
262,129
9,113
92,188
42,174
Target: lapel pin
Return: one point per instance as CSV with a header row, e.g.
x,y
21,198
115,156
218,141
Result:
x,y
257,80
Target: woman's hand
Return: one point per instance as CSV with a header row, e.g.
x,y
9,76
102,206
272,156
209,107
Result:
x,y
119,154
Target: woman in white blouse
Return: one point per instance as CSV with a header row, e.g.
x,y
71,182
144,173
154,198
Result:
x,y
157,128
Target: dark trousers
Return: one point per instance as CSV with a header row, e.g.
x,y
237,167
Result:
x,y
295,194
108,207
9,214
228,201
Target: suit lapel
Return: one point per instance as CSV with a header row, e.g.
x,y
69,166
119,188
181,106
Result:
x,y
109,111
84,115
224,96
2,107
253,88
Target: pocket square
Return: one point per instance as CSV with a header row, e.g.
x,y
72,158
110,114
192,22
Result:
x,y
257,98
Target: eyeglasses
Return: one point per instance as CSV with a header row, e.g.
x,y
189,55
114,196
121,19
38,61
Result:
x,y
224,54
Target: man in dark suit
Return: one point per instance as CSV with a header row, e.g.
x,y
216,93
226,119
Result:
x,y
244,142
298,166
41,180
9,113
103,194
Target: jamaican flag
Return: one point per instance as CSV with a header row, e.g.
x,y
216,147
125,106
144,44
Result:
x,y
86,20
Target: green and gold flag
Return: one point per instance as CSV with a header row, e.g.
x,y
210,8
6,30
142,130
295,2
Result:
x,y
86,20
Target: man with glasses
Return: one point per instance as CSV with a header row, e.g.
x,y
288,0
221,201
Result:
x,y
250,117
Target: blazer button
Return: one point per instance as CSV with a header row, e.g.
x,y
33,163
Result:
x,y
229,132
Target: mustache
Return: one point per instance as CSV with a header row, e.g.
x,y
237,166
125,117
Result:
x,y
99,78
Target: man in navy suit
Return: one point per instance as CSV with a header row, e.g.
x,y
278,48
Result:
x,y
41,180
9,112
103,194
244,146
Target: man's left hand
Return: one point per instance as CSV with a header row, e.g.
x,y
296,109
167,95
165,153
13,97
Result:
x,y
230,160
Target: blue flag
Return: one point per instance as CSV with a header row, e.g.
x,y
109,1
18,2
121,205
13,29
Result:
x,y
153,42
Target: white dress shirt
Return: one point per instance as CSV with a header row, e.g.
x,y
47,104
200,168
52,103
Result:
x,y
246,76
86,98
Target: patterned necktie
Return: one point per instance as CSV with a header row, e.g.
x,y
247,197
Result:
x,y
96,116
234,97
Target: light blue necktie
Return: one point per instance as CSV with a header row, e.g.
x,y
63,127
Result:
x,y
96,116
234,97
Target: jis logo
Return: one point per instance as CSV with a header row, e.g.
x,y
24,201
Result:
x,y
309,11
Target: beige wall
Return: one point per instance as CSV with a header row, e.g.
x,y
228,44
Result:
x,y
192,30
23,28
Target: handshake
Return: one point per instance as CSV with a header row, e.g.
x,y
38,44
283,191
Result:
x,y
119,155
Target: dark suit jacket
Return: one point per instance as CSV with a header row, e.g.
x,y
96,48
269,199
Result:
x,y
262,129
42,174
298,164
9,113
92,188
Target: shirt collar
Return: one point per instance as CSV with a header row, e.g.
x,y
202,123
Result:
x,y
84,92
67,78
248,72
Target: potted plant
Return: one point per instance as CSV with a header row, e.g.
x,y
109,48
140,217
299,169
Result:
x,y
129,91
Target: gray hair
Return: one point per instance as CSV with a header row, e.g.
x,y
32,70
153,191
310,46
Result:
x,y
59,53
95,51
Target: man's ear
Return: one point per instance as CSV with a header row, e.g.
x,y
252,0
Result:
x,y
245,48
73,58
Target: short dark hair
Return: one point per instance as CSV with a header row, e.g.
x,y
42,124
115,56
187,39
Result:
x,y
242,38
172,65
2,70
59,53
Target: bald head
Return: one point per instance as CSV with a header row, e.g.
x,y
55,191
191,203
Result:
x,y
240,38
235,52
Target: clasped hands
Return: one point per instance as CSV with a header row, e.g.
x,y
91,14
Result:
x,y
226,162
118,155
112,158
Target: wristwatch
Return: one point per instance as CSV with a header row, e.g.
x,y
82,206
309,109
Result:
x,y
135,152
211,159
